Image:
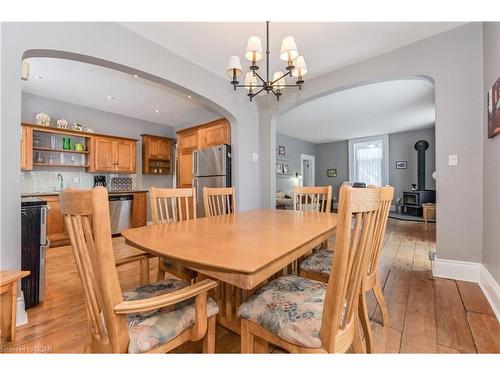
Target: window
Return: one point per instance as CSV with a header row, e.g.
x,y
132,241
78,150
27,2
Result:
x,y
369,161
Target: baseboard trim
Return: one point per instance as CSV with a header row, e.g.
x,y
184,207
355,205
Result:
x,y
457,270
491,290
473,272
21,314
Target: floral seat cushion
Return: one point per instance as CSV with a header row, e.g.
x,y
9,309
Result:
x,y
319,262
291,307
150,329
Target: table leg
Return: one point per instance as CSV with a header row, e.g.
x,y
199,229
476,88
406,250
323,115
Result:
x,y
8,318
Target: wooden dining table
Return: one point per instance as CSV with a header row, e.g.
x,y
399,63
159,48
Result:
x,y
242,250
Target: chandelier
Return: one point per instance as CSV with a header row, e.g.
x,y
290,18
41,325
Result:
x,y
295,67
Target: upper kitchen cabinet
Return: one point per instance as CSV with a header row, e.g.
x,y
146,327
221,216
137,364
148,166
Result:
x,y
156,154
115,155
211,134
51,147
214,133
187,141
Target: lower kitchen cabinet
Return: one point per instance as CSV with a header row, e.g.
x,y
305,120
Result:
x,y
139,210
56,228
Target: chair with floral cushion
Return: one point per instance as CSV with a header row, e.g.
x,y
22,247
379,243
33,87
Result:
x,y
319,265
169,206
308,316
154,318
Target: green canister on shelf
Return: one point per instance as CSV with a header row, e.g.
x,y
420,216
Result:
x,y
66,143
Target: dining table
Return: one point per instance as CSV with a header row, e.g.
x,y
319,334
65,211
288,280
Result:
x,y
242,250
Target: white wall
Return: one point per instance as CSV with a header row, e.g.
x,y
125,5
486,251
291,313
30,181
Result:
x,y
119,48
491,196
454,60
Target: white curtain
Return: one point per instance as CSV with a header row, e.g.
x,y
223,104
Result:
x,y
368,162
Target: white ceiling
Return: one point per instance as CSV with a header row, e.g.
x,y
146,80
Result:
x,y
374,109
89,86
325,45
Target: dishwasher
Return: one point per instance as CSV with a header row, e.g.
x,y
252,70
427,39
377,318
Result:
x,y
120,212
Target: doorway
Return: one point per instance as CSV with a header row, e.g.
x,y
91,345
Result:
x,y
307,169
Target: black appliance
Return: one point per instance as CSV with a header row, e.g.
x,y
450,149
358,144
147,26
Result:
x,y
412,200
99,181
34,244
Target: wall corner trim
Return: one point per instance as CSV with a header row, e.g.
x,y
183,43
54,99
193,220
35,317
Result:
x,y
473,272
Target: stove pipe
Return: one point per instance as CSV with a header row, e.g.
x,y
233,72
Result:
x,y
421,146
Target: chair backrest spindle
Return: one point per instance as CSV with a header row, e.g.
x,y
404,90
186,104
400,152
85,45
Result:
x,y
312,198
219,201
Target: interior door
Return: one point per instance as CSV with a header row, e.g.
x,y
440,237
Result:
x,y
104,154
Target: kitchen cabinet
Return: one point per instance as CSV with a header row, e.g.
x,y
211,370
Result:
x,y
156,154
114,155
26,148
139,210
206,135
214,135
56,228
188,142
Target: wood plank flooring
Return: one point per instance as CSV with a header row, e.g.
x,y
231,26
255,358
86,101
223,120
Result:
x,y
426,315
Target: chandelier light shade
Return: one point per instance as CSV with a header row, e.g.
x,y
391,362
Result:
x,y
279,80
289,51
254,82
300,67
250,81
234,64
254,49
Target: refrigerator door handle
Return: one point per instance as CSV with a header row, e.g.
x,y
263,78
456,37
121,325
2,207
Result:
x,y
195,187
195,162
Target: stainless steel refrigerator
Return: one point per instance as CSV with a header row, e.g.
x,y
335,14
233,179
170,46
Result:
x,y
212,169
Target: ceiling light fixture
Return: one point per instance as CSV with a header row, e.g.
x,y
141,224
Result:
x,y
110,97
38,77
157,111
189,96
296,67
136,76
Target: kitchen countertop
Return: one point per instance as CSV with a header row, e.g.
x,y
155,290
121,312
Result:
x,y
115,192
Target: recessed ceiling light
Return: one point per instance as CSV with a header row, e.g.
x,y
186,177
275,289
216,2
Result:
x,y
136,76
157,110
38,77
189,96
110,97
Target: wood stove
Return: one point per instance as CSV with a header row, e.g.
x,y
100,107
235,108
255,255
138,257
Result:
x,y
412,200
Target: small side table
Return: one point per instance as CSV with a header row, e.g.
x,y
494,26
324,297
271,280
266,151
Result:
x,y
429,211
8,295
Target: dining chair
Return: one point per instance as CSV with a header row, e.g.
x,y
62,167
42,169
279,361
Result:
x,y
219,201
318,198
169,206
308,316
155,318
318,266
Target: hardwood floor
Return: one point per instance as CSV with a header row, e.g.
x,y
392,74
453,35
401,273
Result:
x,y
427,315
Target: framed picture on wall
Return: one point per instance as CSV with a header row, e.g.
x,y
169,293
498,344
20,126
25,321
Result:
x,y
494,109
401,164
281,150
279,168
286,169
331,172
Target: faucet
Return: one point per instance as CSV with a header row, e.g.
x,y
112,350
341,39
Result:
x,y
60,178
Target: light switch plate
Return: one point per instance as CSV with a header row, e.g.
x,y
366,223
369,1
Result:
x,y
453,160
255,156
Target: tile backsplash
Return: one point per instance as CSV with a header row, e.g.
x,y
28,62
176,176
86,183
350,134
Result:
x,y
46,181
